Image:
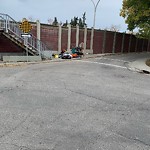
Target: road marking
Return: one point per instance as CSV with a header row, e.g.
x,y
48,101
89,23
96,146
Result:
x,y
111,65
113,59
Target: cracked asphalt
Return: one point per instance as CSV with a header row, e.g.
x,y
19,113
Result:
x,y
91,104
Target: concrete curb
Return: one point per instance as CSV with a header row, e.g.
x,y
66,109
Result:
x,y
13,64
139,66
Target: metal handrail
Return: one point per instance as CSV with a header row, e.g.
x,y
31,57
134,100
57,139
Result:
x,y
9,25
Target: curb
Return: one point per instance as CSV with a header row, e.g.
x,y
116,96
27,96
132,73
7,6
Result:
x,y
13,64
147,71
134,66
139,66
87,56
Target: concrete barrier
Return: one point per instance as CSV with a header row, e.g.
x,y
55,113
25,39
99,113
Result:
x,y
10,54
47,54
21,58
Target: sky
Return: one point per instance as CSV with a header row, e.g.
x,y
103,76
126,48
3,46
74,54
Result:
x,y
107,13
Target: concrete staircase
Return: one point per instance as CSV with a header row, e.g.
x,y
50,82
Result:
x,y
7,45
12,42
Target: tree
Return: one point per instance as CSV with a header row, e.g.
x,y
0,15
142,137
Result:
x,y
74,21
55,22
79,21
137,16
84,19
114,28
65,24
50,21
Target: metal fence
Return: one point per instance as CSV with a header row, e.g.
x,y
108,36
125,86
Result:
x,y
11,27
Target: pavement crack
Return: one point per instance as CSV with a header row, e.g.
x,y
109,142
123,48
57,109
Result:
x,y
133,139
16,127
15,146
64,115
90,96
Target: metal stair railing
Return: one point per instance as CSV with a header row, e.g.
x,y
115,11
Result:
x,y
11,27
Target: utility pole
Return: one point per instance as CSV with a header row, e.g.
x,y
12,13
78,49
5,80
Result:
x,y
94,18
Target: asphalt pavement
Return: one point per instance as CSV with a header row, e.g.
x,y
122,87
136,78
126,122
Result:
x,y
137,63
95,103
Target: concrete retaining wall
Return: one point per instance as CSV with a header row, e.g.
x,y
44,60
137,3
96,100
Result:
x,y
10,54
47,54
21,58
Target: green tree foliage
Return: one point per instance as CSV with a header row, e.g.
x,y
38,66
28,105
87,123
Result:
x,y
65,24
137,16
55,22
79,21
74,21
84,19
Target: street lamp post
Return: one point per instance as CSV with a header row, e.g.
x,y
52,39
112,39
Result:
x,y
92,34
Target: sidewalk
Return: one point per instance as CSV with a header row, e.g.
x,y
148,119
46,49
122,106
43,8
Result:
x,y
140,65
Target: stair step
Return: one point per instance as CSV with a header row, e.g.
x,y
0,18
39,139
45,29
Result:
x,y
14,36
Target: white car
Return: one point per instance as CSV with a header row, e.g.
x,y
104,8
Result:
x,y
66,55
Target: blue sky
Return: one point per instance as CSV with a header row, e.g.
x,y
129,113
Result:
x,y
107,11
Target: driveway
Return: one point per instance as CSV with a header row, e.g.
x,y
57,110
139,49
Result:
x,y
88,104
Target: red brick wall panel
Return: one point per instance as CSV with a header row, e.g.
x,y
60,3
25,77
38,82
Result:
x,y
81,35
109,42
145,45
49,36
8,46
73,37
148,46
126,43
88,40
98,41
139,45
133,43
118,45
64,40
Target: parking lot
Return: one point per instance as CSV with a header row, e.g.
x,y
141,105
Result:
x,y
88,104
